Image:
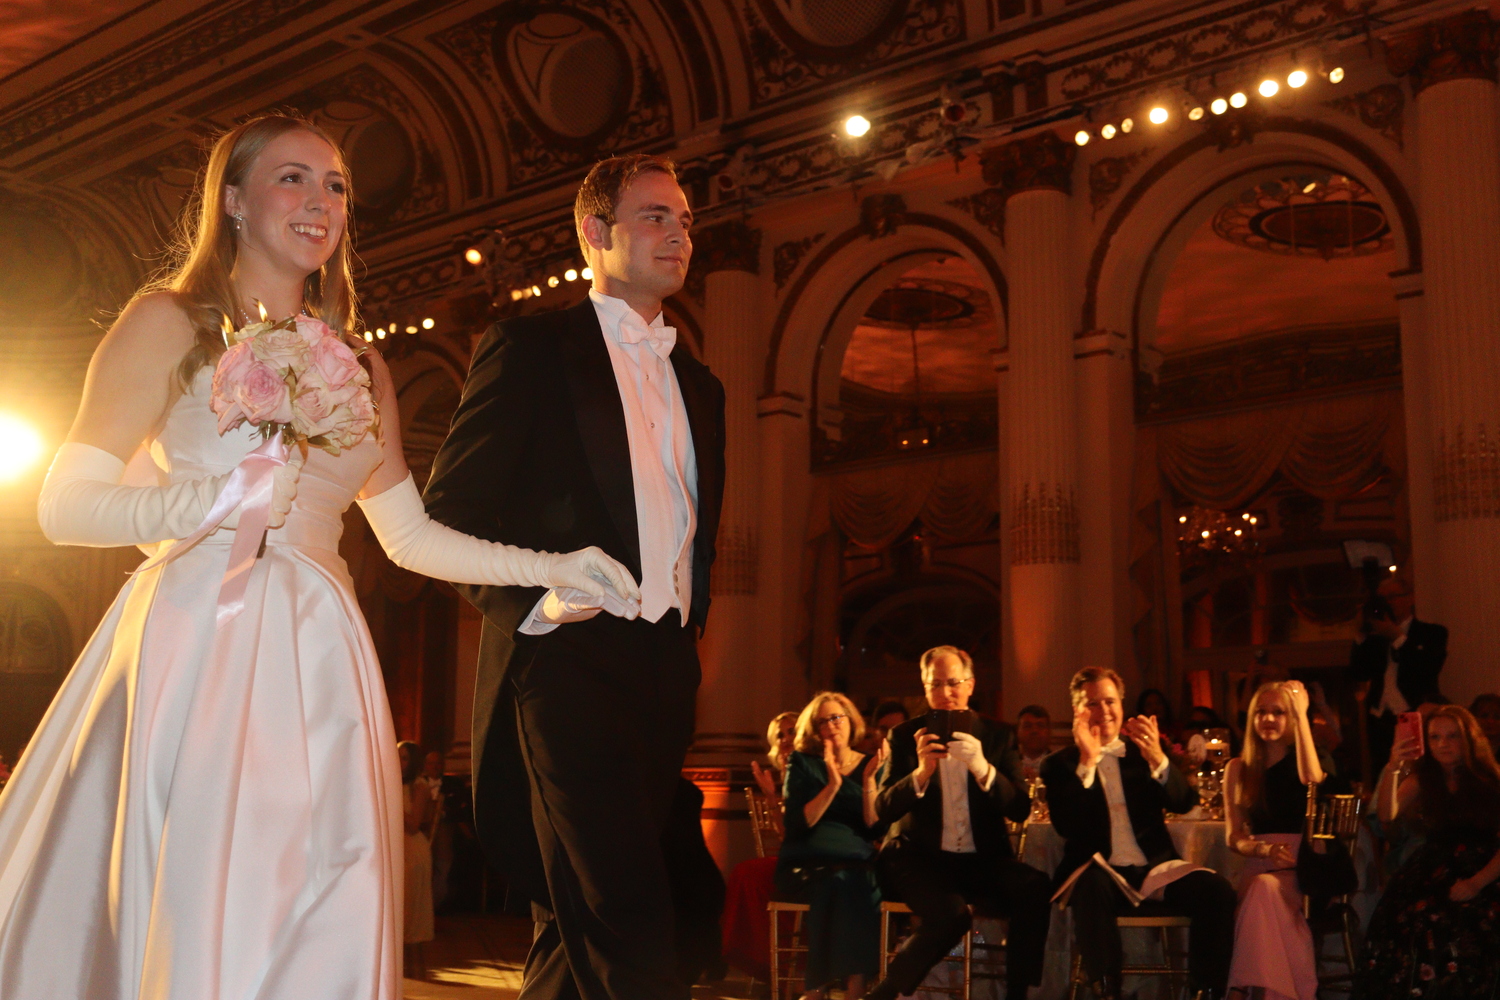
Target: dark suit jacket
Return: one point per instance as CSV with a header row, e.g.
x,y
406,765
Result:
x,y
1081,815
537,456
1418,662
918,822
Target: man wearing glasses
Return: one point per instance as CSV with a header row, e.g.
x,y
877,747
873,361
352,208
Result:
x,y
953,780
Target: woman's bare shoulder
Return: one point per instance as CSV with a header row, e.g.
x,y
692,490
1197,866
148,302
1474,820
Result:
x,y
154,323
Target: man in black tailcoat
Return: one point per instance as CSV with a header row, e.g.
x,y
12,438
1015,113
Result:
x,y
1398,658
947,799
591,426
1109,796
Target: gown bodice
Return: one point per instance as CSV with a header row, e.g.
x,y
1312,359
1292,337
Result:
x,y
189,447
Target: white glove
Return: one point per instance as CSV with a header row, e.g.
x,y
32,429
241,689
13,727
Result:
x,y
82,502
564,604
416,542
967,748
284,490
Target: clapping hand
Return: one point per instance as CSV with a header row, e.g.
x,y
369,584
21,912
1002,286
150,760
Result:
x,y
1143,732
1087,736
967,748
764,779
875,763
930,750
831,763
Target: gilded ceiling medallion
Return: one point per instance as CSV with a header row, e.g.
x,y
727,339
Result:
x,y
1310,215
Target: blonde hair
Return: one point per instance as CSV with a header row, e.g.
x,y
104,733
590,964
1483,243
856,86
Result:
x,y
203,253
773,736
807,728
1253,778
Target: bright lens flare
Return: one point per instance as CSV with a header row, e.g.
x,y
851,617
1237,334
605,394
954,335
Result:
x,y
1081,137
587,274
1268,88
856,125
473,256
1158,115
1296,79
1238,99
20,447
1195,114
428,323
1219,106
1107,131
1336,75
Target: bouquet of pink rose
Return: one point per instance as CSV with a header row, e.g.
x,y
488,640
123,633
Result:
x,y
296,378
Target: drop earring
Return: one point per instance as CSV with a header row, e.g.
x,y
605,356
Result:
x,y
238,221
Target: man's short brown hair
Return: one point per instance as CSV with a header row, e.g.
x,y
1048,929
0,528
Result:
x,y
600,192
1093,675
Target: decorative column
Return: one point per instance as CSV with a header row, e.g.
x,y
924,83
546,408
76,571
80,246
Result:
x,y
1451,67
731,716
1040,512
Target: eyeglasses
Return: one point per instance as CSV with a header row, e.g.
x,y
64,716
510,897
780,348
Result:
x,y
825,720
951,683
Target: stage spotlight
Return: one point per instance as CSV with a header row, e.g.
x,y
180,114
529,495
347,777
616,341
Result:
x,y
1238,99
587,274
473,256
553,281
1296,78
1336,75
1158,115
1081,137
1268,88
1127,125
1107,131
429,323
20,447
1219,106
856,125
1195,113
571,274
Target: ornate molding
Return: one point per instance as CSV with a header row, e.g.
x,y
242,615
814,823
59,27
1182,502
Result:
x,y
882,214
1207,39
1461,47
1382,108
1044,525
1106,176
988,209
1038,161
736,567
1466,475
786,257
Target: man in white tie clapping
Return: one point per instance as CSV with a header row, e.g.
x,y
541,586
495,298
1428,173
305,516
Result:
x,y
1109,796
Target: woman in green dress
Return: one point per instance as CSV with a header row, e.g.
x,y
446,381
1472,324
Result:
x,y
827,858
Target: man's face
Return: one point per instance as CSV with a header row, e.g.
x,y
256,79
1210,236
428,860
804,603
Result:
x,y
1034,734
951,684
648,248
1102,699
887,722
1395,590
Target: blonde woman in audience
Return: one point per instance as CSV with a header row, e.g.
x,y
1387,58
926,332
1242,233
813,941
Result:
x,y
1265,796
781,736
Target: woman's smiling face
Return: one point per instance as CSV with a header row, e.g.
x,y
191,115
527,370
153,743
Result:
x,y
294,203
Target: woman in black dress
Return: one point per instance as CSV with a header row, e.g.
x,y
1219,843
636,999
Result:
x,y
1435,934
1265,798
827,857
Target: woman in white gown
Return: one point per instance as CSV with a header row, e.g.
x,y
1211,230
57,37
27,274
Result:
x,y
214,812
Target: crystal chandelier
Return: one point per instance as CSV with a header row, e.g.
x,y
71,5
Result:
x,y
1206,532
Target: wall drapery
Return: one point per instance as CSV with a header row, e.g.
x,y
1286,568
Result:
x,y
956,497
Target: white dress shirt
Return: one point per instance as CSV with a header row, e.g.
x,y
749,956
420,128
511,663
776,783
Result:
x,y
1123,849
953,775
1391,698
663,465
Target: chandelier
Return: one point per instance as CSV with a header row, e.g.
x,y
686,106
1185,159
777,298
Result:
x,y
1205,532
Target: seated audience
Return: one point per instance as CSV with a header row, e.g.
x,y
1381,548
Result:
x,y
827,858
1396,661
1033,738
1434,932
1202,717
948,846
781,734
1265,798
885,716
1152,702
418,808
1486,712
1110,796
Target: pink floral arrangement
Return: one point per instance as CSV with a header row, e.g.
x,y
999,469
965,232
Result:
x,y
297,378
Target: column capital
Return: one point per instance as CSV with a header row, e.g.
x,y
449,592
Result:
x,y
732,245
1460,47
1037,161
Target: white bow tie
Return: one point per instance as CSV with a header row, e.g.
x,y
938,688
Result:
x,y
1115,749
661,338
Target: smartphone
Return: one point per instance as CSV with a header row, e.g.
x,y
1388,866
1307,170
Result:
x,y
944,722
1409,727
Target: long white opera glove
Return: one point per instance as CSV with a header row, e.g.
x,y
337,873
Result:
x,y
416,542
966,747
82,502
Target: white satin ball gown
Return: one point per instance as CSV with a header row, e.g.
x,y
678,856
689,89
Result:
x,y
214,814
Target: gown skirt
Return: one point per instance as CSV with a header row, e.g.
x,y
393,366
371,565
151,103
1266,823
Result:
x,y
214,813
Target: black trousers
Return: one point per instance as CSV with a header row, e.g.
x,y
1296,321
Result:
x,y
604,716
939,885
1207,898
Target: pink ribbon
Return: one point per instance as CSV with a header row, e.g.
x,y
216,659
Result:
x,y
251,485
